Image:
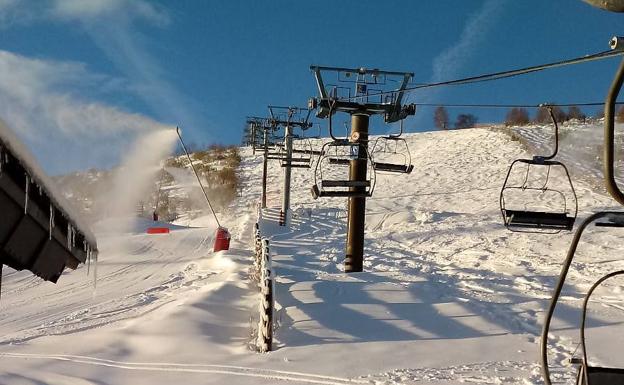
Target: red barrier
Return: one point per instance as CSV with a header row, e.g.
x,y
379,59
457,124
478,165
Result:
x,y
158,230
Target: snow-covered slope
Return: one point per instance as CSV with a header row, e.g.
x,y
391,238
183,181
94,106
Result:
x,y
447,296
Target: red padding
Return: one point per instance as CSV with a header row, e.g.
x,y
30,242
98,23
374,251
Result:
x,y
158,230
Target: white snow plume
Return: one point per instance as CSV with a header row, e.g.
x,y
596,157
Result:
x,y
112,27
41,100
135,177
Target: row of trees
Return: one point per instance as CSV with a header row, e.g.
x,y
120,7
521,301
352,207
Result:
x,y
441,120
516,116
519,116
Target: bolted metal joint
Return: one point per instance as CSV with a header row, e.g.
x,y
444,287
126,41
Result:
x,y
617,43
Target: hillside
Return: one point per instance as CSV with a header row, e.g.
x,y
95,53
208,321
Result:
x,y
448,295
172,192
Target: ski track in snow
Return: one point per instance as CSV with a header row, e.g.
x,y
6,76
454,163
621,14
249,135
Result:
x,y
447,296
266,374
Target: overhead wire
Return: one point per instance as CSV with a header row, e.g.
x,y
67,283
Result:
x,y
497,75
486,105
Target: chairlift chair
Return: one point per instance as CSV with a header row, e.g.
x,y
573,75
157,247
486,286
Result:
x,y
302,154
329,186
391,154
339,155
587,374
561,207
337,152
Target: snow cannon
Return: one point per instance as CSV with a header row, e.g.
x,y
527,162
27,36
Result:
x,y
222,239
158,230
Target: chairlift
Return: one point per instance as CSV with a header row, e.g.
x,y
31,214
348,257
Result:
x,y
587,374
340,151
302,153
539,207
391,154
339,155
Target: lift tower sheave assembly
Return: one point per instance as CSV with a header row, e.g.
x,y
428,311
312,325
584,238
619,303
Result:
x,y
289,118
361,93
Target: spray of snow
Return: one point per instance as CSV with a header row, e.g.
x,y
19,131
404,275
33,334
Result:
x,y
43,102
135,177
112,27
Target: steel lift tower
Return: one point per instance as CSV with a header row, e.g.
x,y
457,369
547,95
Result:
x,y
361,93
262,124
289,118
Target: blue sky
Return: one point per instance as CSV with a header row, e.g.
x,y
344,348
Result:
x,y
127,66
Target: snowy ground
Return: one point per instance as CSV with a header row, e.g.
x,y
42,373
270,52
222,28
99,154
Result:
x,y
447,296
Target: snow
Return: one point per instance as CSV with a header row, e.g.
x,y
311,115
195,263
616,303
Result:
x,y
447,296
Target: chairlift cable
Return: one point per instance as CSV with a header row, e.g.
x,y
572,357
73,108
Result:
x,y
485,105
499,75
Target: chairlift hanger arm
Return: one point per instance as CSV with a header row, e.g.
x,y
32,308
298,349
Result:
x,y
541,159
617,44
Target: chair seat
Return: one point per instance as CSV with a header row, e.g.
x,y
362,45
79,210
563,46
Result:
x,y
391,167
539,220
604,376
342,161
345,183
317,193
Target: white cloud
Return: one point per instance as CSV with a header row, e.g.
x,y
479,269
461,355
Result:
x,y
97,9
447,64
86,11
43,102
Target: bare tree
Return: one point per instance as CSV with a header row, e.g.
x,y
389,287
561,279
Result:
x,y
575,113
619,115
441,118
465,121
543,116
517,116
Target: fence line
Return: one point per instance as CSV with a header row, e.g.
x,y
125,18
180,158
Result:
x,y
263,274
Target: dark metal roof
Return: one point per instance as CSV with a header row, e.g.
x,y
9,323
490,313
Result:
x,y
39,231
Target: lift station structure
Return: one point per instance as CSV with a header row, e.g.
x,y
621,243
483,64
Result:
x,y
361,93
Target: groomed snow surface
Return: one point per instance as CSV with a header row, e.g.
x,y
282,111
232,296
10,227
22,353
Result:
x,y
448,295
